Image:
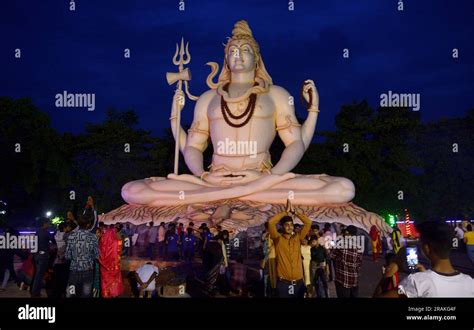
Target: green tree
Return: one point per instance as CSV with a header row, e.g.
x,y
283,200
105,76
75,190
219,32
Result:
x,y
33,168
372,148
112,153
446,150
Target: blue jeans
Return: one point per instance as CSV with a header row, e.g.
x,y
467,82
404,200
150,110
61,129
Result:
x,y
80,284
41,266
320,282
470,252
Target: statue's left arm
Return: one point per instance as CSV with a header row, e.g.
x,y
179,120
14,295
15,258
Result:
x,y
289,131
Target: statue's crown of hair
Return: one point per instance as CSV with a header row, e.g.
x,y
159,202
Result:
x,y
242,31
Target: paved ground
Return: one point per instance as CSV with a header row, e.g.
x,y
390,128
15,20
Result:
x,y
369,277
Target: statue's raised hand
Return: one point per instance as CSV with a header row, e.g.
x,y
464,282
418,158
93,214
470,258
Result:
x,y
178,102
310,94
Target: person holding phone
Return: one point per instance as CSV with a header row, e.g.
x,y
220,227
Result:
x,y
442,280
412,258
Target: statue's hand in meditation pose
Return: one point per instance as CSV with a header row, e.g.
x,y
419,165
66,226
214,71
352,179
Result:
x,y
241,115
228,178
218,178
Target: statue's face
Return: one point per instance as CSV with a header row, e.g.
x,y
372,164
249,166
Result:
x,y
241,57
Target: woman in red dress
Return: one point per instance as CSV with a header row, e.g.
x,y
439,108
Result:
x,y
110,251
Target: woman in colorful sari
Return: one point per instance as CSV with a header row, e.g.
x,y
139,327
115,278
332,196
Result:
x,y
110,250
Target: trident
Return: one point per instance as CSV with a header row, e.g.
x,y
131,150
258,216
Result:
x,y
184,74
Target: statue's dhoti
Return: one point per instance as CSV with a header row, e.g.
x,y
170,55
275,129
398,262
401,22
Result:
x,y
271,188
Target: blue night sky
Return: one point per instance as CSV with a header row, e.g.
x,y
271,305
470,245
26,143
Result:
x,y
82,52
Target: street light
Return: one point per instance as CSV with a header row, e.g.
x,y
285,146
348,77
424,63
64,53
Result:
x,y
49,214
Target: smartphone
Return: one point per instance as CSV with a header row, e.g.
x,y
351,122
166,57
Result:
x,y
412,258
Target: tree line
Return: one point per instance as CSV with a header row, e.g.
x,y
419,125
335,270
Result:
x,y
395,160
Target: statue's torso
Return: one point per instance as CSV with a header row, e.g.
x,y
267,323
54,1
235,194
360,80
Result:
x,y
252,141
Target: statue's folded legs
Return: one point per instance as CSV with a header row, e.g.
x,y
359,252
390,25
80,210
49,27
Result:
x,y
303,189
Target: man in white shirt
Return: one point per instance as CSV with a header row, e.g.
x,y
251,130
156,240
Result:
x,y
146,279
430,283
442,280
459,232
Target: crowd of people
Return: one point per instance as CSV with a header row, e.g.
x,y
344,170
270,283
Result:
x,y
83,258
442,280
465,236
299,263
203,247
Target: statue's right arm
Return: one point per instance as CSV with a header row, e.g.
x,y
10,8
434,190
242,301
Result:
x,y
198,135
177,106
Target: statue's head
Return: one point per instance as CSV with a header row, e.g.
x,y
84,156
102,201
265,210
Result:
x,y
242,54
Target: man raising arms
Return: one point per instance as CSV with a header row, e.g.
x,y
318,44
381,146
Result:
x,y
290,282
